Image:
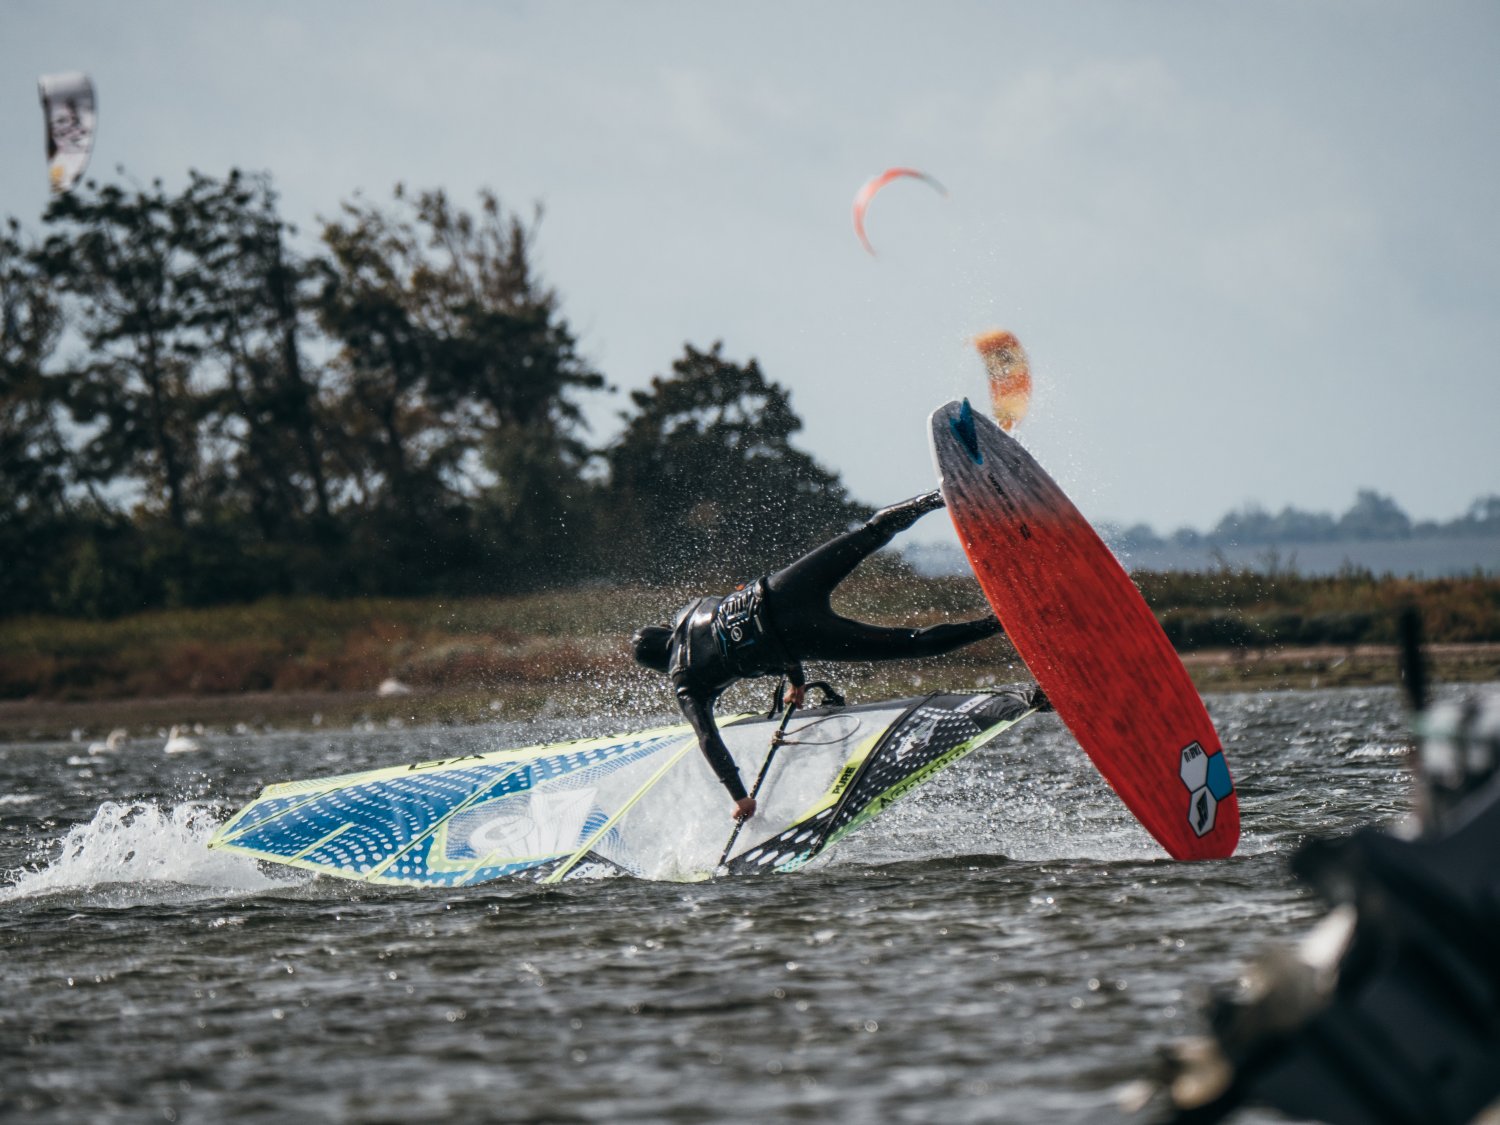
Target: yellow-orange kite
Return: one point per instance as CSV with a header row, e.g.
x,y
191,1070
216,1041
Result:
x,y
1010,375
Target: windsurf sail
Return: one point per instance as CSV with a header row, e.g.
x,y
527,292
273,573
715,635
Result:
x,y
642,804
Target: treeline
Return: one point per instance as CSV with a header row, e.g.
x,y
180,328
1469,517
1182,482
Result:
x,y
1246,609
196,409
1371,517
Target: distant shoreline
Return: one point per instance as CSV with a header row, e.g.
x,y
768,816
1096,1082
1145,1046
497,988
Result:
x,y
303,662
1436,556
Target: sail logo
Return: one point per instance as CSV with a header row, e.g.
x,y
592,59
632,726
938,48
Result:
x,y
918,736
1207,779
845,776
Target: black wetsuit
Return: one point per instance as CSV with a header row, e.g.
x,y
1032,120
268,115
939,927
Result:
x,y
771,625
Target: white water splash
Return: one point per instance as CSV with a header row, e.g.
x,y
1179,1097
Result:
x,y
140,845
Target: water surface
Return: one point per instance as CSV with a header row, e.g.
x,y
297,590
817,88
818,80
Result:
x,y
1005,945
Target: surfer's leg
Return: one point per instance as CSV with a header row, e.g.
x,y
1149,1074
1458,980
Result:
x,y
839,638
815,574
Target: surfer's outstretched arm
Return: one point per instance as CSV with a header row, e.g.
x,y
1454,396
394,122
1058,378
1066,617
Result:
x,y
700,714
816,573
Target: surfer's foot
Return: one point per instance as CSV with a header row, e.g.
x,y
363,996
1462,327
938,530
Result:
x,y
898,517
928,501
983,627
1039,700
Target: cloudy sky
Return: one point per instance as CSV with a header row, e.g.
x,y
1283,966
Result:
x,y
1253,249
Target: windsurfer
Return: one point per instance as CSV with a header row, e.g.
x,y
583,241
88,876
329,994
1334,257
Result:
x,y
769,626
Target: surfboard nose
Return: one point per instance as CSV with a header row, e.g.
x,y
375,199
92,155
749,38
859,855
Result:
x,y
963,429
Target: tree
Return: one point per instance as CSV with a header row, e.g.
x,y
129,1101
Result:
x,y
704,479
504,357
1482,518
1374,516
1136,537
391,445
1293,525
1250,524
33,453
265,401
123,257
454,407
1253,524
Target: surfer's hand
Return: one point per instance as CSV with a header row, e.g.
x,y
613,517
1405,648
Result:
x,y
929,501
744,808
796,694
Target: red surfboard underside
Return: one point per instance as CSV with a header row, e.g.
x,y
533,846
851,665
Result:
x,y
1088,637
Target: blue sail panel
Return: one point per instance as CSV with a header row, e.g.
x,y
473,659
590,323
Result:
x,y
441,822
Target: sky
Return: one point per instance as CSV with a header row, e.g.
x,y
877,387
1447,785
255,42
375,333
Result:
x,y
1253,249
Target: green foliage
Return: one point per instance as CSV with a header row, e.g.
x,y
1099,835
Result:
x,y
263,408
1193,630
704,476
1374,516
1371,517
34,509
454,378
397,411
125,260
1245,609
1253,524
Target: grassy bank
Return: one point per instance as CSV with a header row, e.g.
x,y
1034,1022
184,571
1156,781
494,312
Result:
x,y
281,662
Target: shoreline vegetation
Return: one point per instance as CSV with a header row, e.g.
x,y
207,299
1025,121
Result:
x,y
303,662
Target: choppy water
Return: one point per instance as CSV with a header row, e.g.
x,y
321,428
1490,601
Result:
x,y
1006,945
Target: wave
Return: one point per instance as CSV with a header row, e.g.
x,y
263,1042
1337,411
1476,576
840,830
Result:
x,y
140,846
